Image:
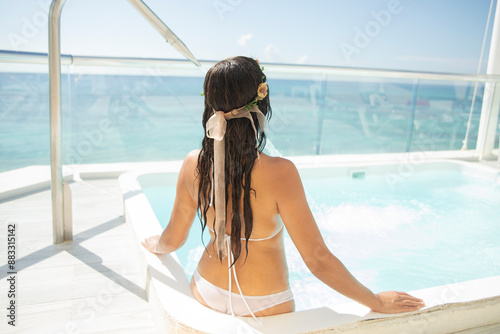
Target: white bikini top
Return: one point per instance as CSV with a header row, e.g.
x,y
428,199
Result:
x,y
260,239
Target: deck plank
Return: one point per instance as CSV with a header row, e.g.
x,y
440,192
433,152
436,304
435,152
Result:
x,y
92,284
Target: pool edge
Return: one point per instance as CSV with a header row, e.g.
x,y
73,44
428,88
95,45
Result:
x,y
206,320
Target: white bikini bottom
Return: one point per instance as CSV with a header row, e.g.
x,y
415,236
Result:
x,y
232,303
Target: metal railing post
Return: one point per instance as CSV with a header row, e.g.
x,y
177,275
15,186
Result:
x,y
57,187
498,160
321,114
61,193
413,108
162,28
129,62
491,97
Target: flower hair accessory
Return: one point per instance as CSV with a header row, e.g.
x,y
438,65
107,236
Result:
x,y
216,129
262,91
261,95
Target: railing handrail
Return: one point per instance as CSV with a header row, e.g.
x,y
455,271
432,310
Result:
x,y
7,56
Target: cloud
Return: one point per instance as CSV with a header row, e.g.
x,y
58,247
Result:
x,y
271,50
243,40
302,59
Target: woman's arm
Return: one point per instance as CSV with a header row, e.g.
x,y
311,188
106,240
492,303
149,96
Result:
x,y
183,213
303,230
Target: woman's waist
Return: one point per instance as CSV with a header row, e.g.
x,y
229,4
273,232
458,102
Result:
x,y
254,277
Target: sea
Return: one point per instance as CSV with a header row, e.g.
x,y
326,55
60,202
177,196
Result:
x,y
135,118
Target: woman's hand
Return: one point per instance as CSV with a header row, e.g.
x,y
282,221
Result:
x,y
397,302
150,244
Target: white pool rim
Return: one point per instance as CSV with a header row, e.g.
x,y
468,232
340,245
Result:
x,y
450,308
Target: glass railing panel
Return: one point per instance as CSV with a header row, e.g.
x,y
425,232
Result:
x,y
132,115
136,114
295,101
364,115
24,116
442,113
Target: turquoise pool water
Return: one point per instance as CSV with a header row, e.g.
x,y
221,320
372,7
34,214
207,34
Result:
x,y
432,228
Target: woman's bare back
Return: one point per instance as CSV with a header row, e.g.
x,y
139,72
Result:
x,y
263,270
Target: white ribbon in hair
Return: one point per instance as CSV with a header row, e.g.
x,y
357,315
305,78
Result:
x,y
216,129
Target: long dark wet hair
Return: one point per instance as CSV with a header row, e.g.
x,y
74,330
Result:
x,y
230,84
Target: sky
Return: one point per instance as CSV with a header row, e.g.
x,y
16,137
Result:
x,y
417,35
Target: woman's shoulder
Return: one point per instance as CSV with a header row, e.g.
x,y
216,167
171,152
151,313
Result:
x,y
190,163
276,161
277,167
268,161
191,159
193,156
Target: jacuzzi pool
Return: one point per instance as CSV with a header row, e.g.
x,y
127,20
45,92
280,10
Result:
x,y
435,224
439,226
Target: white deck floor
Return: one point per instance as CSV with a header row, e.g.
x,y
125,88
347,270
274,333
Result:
x,y
90,285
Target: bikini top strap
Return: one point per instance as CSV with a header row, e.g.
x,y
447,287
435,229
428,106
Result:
x,y
269,237
260,239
